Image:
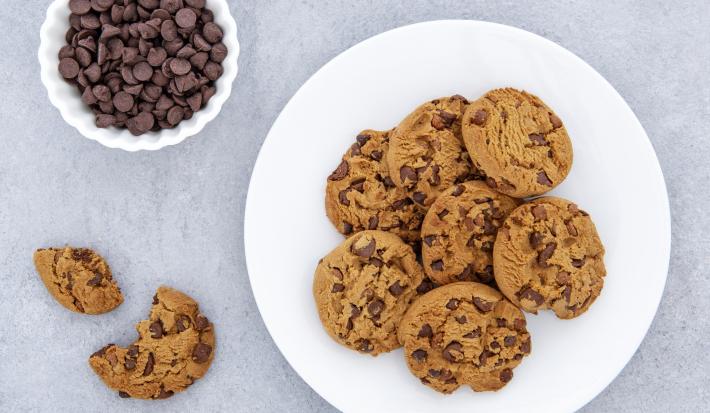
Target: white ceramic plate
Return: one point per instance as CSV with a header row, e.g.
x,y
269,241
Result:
x,y
67,98
616,177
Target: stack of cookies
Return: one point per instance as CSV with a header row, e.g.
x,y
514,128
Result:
x,y
447,245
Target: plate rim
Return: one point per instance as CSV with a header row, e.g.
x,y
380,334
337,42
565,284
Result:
x,y
664,207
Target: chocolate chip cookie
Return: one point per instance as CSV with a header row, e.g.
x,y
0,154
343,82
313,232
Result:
x,y
548,255
464,333
79,279
361,195
362,289
459,231
517,142
427,154
175,348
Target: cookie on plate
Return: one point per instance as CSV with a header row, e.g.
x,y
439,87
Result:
x,y
362,289
459,231
79,279
360,194
175,347
427,154
517,142
548,255
464,333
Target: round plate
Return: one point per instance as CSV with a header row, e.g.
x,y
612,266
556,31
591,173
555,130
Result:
x,y
615,177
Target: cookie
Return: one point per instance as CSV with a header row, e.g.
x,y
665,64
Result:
x,y
548,255
517,142
175,347
464,333
360,194
427,154
459,231
363,287
79,279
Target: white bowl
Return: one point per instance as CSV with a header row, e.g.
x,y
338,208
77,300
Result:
x,y
67,99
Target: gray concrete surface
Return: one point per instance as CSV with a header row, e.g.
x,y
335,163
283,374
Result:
x,y
175,216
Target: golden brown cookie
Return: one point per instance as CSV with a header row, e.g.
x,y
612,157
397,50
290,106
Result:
x,y
459,231
548,255
175,347
360,194
464,333
79,279
362,289
517,142
427,154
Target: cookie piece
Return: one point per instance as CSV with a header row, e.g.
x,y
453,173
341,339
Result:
x,y
459,231
79,279
427,154
175,348
548,255
464,333
517,142
363,287
360,194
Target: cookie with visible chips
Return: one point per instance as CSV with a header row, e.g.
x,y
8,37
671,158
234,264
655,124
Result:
x,y
363,287
360,195
464,333
548,255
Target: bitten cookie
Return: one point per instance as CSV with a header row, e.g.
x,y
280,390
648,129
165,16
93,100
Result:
x,y
464,334
362,289
79,279
517,142
174,349
427,154
360,194
548,255
459,231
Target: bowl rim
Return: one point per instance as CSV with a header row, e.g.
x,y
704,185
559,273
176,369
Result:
x,y
57,87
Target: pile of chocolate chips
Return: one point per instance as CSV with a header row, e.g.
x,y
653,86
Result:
x,y
142,64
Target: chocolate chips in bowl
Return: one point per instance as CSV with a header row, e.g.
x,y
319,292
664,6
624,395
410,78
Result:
x,y
144,65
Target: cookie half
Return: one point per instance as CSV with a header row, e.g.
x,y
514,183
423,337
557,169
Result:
x,y
362,289
464,334
79,279
175,347
518,142
459,231
360,194
427,154
548,255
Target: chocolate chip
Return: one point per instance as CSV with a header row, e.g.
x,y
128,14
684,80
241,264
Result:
x,y
451,350
525,347
180,66
218,53
419,355
164,394
201,323
546,254
532,295
425,331
535,239
426,286
479,118
484,357
429,239
156,329
458,190
201,353
182,323
434,373
542,179
567,292
365,346
343,197
491,182
396,289
347,228
443,214
123,101
556,122
375,307
419,197
95,280
337,288
461,319
562,278
212,33
79,6
103,120
340,172
538,139
401,203
175,115
506,375
185,18
473,334
519,324
129,364
437,265
365,251
482,305
571,228
407,173
149,365
452,304
68,68
539,212
124,395
578,262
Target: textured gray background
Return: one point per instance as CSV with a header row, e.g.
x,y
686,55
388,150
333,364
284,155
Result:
x,y
175,216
